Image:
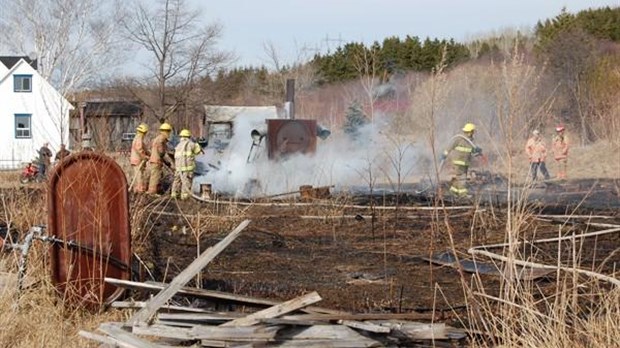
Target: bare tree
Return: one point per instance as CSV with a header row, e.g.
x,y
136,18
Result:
x,y
572,56
366,62
298,68
182,50
74,41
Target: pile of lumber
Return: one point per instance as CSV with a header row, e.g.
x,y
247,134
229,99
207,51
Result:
x,y
294,323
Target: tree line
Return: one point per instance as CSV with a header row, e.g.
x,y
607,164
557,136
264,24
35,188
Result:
x,y
185,67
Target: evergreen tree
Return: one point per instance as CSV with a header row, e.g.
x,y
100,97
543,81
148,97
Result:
x,y
354,120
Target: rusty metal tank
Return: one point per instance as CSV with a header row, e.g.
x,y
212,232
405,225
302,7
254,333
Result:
x,y
286,137
88,216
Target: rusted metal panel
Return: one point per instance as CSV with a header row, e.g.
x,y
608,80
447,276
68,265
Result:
x,y
88,213
286,137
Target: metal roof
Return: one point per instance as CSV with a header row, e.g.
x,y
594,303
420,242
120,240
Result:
x,y
219,113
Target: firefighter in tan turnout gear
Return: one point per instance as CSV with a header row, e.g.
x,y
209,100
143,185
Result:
x,y
158,157
536,152
138,158
461,152
184,164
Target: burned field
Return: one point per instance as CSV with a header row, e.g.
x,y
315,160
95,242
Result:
x,y
372,257
378,260
388,270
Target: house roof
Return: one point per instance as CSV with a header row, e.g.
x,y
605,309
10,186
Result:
x,y
113,108
10,61
218,113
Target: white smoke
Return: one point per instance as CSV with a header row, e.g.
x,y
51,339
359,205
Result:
x,y
374,157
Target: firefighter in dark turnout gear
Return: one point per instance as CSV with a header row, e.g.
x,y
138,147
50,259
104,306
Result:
x,y
461,152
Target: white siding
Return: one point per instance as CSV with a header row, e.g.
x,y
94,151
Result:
x,y
49,121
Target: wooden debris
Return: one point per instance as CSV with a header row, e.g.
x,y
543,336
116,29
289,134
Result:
x,y
142,304
124,338
370,327
363,316
215,295
281,324
277,310
145,314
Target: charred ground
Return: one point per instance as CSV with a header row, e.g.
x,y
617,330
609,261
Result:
x,y
365,258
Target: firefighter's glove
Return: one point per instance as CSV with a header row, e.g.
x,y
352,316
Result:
x,y
443,157
477,151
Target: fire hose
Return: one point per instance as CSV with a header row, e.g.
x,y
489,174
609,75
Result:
x,y
36,233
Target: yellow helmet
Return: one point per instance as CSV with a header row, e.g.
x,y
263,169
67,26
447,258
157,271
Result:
x,y
469,127
142,128
185,133
165,127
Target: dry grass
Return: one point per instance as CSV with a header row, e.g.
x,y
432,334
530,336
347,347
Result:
x,y
9,178
520,314
38,318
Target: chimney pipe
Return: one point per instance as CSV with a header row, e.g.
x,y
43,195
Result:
x,y
290,98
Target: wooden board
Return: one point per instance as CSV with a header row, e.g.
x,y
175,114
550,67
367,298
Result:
x,y
277,310
215,295
145,314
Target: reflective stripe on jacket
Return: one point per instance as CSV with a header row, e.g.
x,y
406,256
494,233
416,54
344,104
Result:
x,y
185,155
138,152
536,150
158,149
560,147
462,152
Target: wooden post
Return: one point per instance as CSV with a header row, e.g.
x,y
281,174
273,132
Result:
x,y
144,315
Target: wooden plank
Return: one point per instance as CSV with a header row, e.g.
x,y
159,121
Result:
x,y
418,331
214,343
124,338
144,315
99,338
217,344
279,321
321,332
320,344
200,317
142,304
217,333
329,335
370,327
277,310
361,316
215,295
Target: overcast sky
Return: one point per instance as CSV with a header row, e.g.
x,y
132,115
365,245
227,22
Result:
x,y
322,24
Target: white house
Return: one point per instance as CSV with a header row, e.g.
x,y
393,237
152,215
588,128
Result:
x,y
32,113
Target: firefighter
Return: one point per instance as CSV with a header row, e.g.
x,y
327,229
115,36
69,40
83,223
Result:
x,y
464,149
184,164
560,151
536,151
158,157
138,158
45,158
62,153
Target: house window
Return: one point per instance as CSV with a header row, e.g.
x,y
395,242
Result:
x,y
22,83
23,126
128,136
